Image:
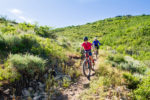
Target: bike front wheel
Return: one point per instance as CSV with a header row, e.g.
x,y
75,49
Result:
x,y
86,68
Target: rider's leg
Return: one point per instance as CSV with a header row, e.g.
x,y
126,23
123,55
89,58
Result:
x,y
86,56
97,49
91,58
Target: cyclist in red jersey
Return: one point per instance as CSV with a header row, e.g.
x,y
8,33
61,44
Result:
x,y
87,48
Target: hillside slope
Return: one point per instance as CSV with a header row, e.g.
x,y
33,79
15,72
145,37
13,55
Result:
x,y
32,62
127,34
39,60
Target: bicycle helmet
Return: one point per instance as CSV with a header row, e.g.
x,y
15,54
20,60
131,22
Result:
x,y
95,38
85,38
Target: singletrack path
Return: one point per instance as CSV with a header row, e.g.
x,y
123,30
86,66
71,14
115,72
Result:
x,y
77,88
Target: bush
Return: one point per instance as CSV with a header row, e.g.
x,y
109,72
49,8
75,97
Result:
x,y
132,81
112,76
135,65
26,63
143,90
118,58
127,63
33,44
8,73
44,31
12,43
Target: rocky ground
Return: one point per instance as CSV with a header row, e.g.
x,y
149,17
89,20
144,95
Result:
x,y
77,88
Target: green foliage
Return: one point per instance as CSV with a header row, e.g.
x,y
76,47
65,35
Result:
x,y
118,58
131,81
44,31
127,63
8,29
10,43
112,76
3,18
127,34
16,44
25,26
66,82
26,63
8,73
33,44
143,90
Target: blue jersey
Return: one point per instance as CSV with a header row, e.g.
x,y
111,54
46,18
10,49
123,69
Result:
x,y
96,42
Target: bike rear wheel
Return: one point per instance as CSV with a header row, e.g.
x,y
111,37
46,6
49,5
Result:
x,y
96,53
86,68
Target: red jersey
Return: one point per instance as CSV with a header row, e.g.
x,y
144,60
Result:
x,y
87,46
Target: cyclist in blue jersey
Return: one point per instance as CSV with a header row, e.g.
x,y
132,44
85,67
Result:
x,y
96,43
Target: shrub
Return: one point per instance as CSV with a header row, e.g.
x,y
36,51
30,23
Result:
x,y
113,75
143,90
33,44
8,73
127,63
131,80
44,31
118,58
26,63
135,65
12,42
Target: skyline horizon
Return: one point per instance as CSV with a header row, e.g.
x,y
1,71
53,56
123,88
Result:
x,y
63,13
36,22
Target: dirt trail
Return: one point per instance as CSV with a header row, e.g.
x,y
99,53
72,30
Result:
x,y
77,88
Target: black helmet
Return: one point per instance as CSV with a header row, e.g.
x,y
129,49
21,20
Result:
x,y
85,38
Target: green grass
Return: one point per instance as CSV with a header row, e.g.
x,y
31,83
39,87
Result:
x,y
18,64
26,63
106,81
143,90
127,34
127,63
33,47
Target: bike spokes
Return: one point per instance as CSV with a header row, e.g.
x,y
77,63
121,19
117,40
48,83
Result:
x,y
86,68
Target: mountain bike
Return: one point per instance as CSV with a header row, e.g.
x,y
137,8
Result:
x,y
96,51
87,65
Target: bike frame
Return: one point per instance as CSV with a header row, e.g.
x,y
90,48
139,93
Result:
x,y
88,59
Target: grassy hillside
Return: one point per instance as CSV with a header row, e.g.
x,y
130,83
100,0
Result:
x,y
125,60
127,34
31,52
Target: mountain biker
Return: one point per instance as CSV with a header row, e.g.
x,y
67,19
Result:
x,y
87,48
96,43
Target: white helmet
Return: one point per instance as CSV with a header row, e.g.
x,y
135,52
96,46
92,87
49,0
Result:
x,y
95,38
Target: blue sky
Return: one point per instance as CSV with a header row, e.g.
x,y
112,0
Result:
x,y
61,13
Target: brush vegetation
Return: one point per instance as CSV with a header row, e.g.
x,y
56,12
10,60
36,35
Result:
x,y
123,71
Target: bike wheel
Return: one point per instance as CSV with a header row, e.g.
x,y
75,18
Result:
x,y
96,53
86,68
92,67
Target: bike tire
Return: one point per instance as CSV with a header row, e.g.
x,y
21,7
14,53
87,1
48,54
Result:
x,y
92,67
86,67
96,54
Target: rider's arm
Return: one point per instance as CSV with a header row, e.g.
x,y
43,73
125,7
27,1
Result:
x,y
81,47
99,43
93,43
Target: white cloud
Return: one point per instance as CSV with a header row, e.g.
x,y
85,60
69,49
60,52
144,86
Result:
x,y
25,19
20,15
16,11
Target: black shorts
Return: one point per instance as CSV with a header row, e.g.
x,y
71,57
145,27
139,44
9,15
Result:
x,y
88,52
96,46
